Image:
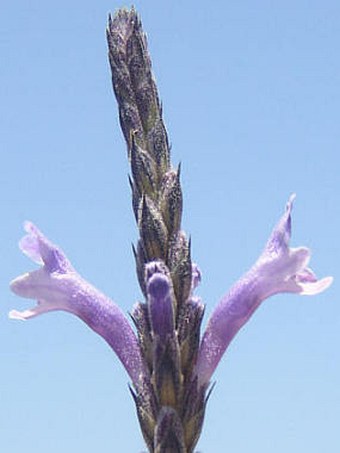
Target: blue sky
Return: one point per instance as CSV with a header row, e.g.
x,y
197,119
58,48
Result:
x,y
251,97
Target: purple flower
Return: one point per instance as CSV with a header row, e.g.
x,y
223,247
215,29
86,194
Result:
x,y
57,286
279,269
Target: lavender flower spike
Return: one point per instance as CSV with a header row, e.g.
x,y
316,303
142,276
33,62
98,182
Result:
x,y
279,269
57,286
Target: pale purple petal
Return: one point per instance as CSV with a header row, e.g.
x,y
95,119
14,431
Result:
x,y
278,241
310,285
37,247
278,269
29,244
56,286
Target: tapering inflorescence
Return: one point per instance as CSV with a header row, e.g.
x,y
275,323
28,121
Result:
x,y
169,366
168,323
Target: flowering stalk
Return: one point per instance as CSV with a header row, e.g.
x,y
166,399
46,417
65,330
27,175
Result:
x,y
169,367
168,324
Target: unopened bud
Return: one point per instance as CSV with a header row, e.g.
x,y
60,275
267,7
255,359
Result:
x,y
160,300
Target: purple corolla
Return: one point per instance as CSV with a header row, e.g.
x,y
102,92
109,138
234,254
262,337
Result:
x,y
57,286
169,364
279,269
167,346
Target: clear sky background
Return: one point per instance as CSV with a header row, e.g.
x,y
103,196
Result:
x,y
251,95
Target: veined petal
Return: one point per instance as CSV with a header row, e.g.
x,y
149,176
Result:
x,y
278,269
56,286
